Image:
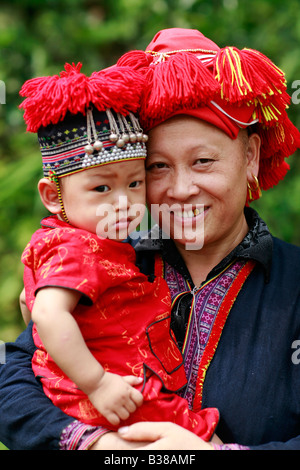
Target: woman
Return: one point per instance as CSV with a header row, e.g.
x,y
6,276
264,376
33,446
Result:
x,y
218,131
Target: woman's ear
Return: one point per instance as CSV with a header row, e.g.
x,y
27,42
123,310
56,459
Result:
x,y
49,195
253,155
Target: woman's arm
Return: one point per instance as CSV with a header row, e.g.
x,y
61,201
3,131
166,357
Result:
x,y
28,419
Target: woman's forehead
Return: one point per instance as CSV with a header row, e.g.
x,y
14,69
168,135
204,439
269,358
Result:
x,y
187,133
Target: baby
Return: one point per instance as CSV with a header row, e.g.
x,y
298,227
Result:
x,y
105,352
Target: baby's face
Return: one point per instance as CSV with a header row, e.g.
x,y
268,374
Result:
x,y
108,200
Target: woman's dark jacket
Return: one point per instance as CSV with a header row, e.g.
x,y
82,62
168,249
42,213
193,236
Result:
x,y
253,378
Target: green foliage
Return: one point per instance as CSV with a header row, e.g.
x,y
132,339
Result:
x,y
38,36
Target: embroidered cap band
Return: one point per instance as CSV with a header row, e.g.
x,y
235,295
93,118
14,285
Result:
x,y
67,148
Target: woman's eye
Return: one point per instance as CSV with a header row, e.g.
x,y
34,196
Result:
x,y
156,166
204,161
102,188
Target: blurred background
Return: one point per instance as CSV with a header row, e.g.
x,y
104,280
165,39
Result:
x,y
37,37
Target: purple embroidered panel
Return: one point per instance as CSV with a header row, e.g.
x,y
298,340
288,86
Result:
x,y
205,306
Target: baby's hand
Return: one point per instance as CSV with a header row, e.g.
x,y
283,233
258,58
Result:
x,y
115,397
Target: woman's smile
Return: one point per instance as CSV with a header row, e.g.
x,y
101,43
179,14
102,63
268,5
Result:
x,y
199,182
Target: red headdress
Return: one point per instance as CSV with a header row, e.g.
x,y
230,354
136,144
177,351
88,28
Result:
x,y
188,73
84,121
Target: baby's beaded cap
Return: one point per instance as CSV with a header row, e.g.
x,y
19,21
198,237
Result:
x,y
83,122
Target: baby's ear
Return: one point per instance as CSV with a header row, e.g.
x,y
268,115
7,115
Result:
x,y
49,195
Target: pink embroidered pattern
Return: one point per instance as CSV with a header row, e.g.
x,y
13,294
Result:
x,y
204,309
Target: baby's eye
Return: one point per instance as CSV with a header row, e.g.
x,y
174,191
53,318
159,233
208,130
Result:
x,y
135,184
102,188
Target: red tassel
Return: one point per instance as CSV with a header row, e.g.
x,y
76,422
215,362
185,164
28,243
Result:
x,y
277,144
180,82
271,173
248,76
118,88
50,98
71,70
282,140
137,60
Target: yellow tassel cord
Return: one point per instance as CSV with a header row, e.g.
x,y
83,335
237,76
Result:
x,y
237,77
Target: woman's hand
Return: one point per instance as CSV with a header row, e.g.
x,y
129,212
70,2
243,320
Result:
x,y
163,436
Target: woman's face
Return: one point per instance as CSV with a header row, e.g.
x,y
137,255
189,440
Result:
x,y
197,181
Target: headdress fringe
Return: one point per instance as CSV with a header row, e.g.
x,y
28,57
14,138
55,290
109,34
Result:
x,y
179,80
48,99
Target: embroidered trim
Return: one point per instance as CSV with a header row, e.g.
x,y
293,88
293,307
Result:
x,y
217,329
193,301
203,312
80,436
229,446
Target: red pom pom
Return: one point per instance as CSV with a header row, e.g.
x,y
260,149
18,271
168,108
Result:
x,y
248,76
50,98
271,173
180,82
137,60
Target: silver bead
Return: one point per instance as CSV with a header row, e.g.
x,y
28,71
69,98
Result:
x,y
125,137
139,136
145,138
98,145
120,143
89,149
113,137
132,137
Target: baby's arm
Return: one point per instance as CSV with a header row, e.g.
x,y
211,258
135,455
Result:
x,y
24,309
112,395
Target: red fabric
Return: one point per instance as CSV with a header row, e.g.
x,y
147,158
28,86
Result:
x,y
177,39
214,116
127,327
48,99
174,39
251,89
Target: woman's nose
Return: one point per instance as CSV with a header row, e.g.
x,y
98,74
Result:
x,y
182,186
